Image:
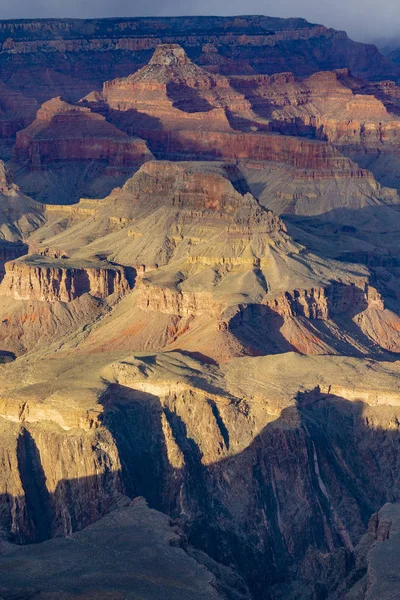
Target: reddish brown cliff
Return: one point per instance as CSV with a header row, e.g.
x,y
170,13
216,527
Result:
x,y
62,132
329,105
185,112
177,93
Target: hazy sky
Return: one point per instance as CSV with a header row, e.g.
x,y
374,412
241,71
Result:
x,y
362,19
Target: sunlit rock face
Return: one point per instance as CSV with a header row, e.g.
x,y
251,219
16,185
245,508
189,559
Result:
x,y
199,308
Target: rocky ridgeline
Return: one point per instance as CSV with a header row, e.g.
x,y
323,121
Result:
x,y
47,280
215,42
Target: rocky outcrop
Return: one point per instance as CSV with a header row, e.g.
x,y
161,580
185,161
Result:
x,y
185,112
52,280
234,453
383,539
173,302
154,553
331,105
174,92
62,132
197,190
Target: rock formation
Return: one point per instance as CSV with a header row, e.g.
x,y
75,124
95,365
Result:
x,y
63,139
217,335
153,548
211,438
63,132
267,45
50,280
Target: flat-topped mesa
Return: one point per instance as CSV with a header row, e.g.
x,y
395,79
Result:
x,y
50,280
64,132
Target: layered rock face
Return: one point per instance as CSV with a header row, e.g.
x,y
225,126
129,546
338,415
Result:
x,y
210,438
185,112
46,280
266,44
219,336
329,105
171,85
69,151
62,132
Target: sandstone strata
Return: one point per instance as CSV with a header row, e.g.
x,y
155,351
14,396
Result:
x,y
48,280
266,44
62,132
247,386
329,105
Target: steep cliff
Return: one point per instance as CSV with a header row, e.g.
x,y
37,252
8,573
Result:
x,y
154,552
50,280
69,151
62,132
329,105
235,453
164,334
185,112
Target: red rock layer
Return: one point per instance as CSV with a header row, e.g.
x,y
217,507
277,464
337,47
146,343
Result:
x,y
178,93
165,103
62,132
330,105
316,159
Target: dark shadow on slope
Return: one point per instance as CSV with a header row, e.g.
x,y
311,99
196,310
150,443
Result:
x,y
66,182
307,483
187,99
316,325
38,508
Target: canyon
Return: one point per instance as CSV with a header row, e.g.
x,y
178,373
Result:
x,y
199,311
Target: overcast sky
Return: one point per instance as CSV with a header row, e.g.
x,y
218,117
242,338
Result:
x,y
364,20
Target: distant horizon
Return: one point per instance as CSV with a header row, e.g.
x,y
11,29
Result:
x,y
363,20
383,43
